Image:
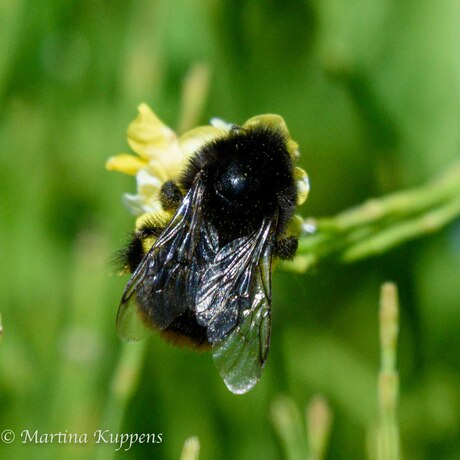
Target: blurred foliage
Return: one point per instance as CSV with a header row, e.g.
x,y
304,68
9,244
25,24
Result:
x,y
369,89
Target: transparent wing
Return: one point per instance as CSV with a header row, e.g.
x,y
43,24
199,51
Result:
x,y
164,284
234,302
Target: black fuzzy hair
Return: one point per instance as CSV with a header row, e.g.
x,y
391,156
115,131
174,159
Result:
x,y
130,256
185,330
285,248
170,196
263,150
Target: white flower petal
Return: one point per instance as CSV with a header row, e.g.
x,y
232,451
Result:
x,y
147,185
134,203
303,185
221,124
138,206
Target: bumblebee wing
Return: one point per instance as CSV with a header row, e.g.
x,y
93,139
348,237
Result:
x,y
234,302
164,284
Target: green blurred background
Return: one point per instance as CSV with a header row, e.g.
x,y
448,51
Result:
x,y
371,91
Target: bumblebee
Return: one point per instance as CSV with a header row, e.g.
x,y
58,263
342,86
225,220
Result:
x,y
205,280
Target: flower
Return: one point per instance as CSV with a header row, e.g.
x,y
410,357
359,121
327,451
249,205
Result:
x,y
161,155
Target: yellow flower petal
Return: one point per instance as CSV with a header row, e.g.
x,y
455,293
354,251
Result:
x,y
151,139
295,225
192,140
303,185
157,170
277,122
162,155
268,119
293,149
124,163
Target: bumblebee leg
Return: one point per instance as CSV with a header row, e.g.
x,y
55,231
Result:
x,y
170,196
285,248
130,256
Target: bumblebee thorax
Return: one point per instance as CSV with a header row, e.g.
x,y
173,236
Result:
x,y
235,182
248,176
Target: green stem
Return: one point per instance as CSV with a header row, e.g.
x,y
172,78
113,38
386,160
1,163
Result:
x,y
380,224
397,233
124,383
399,204
388,430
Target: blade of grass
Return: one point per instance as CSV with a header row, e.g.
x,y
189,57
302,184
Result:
x,y
287,421
319,424
191,450
388,387
122,388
